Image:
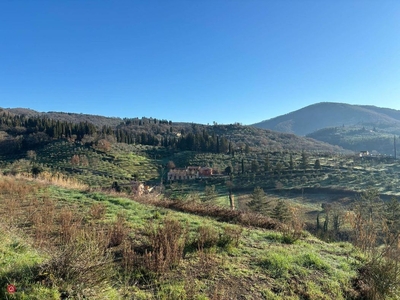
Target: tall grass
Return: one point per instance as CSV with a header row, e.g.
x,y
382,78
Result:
x,y
58,179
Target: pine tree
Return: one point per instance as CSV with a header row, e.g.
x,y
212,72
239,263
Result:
x,y
281,211
317,165
259,201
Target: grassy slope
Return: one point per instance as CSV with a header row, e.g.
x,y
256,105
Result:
x,y
260,267
95,168
19,263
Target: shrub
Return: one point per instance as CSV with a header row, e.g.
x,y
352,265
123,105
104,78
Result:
x,y
379,278
118,232
80,268
230,237
166,249
207,237
293,231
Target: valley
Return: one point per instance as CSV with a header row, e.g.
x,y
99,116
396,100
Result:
x,y
290,217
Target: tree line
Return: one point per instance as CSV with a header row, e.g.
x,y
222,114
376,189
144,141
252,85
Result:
x,y
203,141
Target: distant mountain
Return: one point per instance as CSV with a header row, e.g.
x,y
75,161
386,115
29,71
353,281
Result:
x,y
353,127
327,114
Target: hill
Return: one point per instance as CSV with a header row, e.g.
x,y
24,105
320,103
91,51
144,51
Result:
x,y
322,115
353,127
186,239
23,129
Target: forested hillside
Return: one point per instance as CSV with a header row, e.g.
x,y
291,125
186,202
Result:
x,y
21,132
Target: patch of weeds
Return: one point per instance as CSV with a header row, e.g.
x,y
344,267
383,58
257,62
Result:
x,y
156,215
268,294
313,291
312,261
80,268
169,291
277,264
274,236
230,238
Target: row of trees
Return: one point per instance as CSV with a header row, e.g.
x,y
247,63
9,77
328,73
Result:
x,y
55,129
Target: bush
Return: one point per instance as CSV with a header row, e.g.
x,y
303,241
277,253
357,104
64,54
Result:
x,y
293,231
230,237
167,245
207,237
379,278
80,268
117,232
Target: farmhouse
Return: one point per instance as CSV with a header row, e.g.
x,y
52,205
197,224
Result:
x,y
188,173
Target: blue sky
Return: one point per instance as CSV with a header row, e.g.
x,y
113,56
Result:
x,y
196,60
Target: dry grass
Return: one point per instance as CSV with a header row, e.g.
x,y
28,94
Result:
x,y
162,253
167,245
80,268
57,179
118,231
69,224
98,211
78,263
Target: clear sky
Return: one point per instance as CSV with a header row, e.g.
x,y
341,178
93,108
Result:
x,y
197,60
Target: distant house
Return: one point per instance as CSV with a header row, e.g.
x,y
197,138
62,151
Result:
x,y
189,173
206,171
364,153
183,174
374,153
